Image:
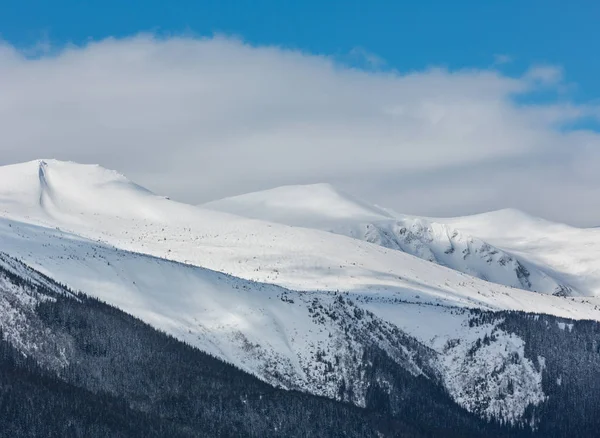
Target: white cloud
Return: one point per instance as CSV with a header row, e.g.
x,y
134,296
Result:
x,y
545,74
501,58
203,118
369,59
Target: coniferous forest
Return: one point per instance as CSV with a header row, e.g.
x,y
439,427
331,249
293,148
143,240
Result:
x,y
120,377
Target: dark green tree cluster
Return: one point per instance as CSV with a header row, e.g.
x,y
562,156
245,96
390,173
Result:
x,y
127,379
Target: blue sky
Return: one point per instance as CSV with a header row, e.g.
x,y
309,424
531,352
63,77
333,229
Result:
x,y
432,108
408,35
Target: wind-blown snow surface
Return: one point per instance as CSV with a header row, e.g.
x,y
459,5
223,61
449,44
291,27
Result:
x,y
567,253
95,231
323,207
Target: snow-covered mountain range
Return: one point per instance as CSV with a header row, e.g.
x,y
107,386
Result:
x,y
295,285
507,247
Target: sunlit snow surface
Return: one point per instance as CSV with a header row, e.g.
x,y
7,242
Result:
x,y
567,253
505,247
217,280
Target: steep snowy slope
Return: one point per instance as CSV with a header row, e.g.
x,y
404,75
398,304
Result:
x,y
107,351
156,379
323,207
97,232
305,340
567,253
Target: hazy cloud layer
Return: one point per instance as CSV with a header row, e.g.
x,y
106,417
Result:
x,y
198,119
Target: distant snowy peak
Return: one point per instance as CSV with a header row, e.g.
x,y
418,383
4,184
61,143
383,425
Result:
x,y
506,223
567,253
24,177
446,246
300,205
323,207
53,188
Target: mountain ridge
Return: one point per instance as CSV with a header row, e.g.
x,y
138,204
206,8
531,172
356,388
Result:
x,y
426,238
99,347
300,308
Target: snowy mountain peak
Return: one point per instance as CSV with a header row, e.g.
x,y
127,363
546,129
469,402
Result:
x,y
49,187
505,223
296,305
567,253
325,208
299,205
88,172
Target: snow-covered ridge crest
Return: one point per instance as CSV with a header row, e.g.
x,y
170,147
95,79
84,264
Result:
x,y
300,205
568,254
50,187
425,238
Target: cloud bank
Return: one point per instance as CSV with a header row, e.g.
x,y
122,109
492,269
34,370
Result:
x,y
202,118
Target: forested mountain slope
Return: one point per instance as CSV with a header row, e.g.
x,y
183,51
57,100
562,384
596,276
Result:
x,y
73,366
301,309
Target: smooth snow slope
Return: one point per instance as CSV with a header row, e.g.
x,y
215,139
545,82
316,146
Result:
x,y
314,205
321,206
